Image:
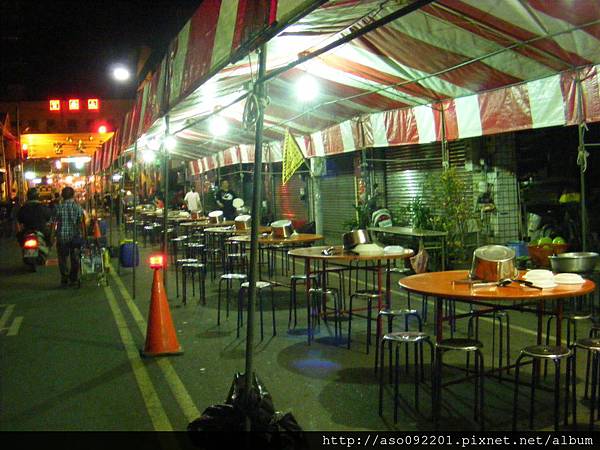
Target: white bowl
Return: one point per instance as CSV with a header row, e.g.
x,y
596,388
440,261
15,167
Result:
x,y
568,278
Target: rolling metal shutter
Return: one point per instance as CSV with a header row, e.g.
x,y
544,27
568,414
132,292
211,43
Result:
x,y
408,167
289,204
338,200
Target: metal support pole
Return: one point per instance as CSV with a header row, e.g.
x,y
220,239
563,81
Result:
x,y
165,246
135,176
582,162
255,223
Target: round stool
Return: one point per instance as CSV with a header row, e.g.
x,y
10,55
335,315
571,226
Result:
x,y
539,353
294,281
397,339
175,242
192,269
228,278
178,264
592,346
463,345
391,314
317,304
368,295
260,286
503,334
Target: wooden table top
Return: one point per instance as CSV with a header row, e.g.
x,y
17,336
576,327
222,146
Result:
x,y
443,284
298,238
339,254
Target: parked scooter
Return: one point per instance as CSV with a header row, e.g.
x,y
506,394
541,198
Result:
x,y
35,250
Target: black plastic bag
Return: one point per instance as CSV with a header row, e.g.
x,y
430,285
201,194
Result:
x,y
223,425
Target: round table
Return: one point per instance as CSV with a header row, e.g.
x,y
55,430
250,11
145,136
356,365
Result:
x,y
269,239
338,254
454,285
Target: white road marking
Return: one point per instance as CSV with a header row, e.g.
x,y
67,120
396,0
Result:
x,y
13,330
6,315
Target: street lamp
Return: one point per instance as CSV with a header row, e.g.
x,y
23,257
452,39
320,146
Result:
x,y
121,73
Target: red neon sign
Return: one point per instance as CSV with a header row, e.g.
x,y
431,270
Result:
x,y
93,104
54,105
73,104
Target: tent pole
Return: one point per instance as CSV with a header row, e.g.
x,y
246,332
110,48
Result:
x,y
582,162
135,175
165,246
255,224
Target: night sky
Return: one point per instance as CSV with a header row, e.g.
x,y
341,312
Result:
x,y
58,48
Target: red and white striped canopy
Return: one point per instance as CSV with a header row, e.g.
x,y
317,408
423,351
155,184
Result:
x,y
452,68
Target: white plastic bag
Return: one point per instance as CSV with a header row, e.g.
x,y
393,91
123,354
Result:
x,y
420,261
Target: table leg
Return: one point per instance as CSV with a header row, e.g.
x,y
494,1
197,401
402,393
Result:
x,y
540,314
388,286
439,318
559,319
308,287
380,297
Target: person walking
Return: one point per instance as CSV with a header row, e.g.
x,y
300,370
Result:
x,y
69,220
192,200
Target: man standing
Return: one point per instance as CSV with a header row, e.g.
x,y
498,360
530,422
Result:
x,y
69,218
192,200
224,198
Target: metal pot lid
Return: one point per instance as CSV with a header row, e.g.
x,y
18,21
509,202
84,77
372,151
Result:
x,y
281,223
243,218
215,214
496,253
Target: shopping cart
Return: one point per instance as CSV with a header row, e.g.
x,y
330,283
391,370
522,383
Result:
x,y
93,257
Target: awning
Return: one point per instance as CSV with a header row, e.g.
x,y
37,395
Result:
x,y
471,67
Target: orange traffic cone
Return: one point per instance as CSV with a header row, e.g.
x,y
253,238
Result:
x,y
161,338
96,230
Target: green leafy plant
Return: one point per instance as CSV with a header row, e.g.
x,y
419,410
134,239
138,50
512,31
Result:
x,y
362,218
417,214
454,211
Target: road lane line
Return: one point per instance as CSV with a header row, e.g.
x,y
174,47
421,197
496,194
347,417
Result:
x,y
155,409
13,330
6,315
181,394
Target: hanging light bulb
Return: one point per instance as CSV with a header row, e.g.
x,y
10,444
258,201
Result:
x,y
218,126
170,143
307,88
148,156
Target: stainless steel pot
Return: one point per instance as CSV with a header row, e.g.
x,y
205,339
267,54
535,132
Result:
x,y
574,262
493,263
282,229
355,237
216,217
243,222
